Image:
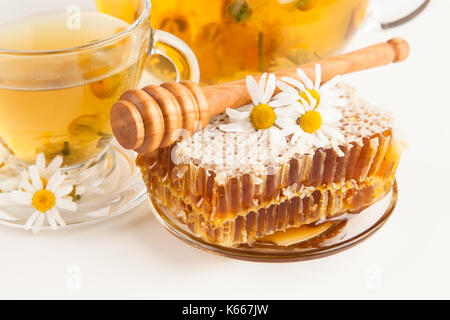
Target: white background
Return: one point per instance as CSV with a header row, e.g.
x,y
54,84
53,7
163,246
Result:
x,y
134,257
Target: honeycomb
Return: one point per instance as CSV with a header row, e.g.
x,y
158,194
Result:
x,y
230,195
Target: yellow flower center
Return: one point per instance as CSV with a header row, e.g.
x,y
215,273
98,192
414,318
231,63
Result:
x,y
263,117
310,122
43,200
313,93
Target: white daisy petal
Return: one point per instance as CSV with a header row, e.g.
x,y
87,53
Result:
x,y
27,186
286,88
305,79
21,197
51,219
288,130
64,191
252,87
58,218
66,204
277,137
36,180
246,108
40,162
38,223
313,102
288,112
318,80
323,139
237,115
31,220
300,107
294,83
262,87
236,127
277,103
286,95
55,181
283,99
54,165
331,83
24,175
284,122
270,88
317,139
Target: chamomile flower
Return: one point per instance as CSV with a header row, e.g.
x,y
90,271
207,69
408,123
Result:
x,y
312,126
260,118
293,90
46,197
10,179
312,117
316,89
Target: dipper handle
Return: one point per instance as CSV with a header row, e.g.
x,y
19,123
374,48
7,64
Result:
x,y
151,118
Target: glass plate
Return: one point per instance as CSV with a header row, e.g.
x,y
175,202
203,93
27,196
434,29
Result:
x,y
123,191
349,230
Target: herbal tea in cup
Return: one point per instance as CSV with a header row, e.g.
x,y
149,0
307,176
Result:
x,y
62,67
66,114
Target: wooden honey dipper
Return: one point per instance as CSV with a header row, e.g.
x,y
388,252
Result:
x,y
151,118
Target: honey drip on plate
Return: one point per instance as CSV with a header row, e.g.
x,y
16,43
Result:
x,y
298,235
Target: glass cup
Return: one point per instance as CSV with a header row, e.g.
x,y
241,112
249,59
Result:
x,y
64,63
234,38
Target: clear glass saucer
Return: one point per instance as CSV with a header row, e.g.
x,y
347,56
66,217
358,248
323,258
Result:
x,y
123,190
347,231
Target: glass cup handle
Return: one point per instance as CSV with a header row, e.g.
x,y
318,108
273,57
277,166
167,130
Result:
x,y
407,18
178,53
397,22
